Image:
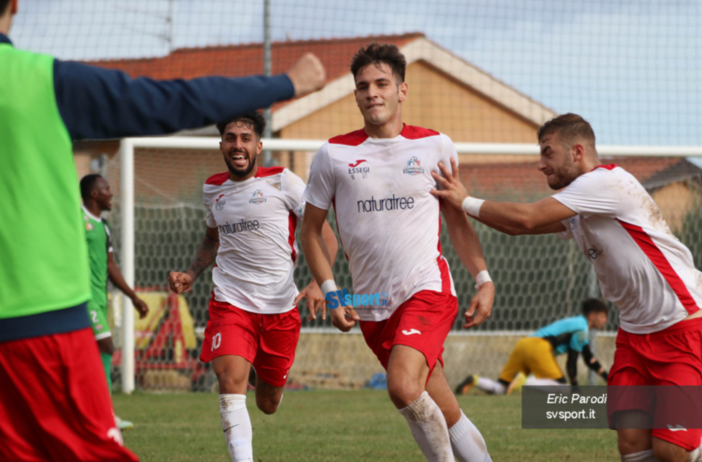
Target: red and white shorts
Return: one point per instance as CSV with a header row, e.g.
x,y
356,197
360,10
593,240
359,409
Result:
x,y
267,341
54,402
670,357
422,322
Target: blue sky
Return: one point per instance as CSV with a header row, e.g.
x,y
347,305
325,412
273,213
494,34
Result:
x,y
633,68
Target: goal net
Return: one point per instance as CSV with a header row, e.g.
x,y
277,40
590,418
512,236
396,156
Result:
x,y
539,279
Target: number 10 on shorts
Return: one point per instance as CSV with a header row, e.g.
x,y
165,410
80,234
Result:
x,y
216,341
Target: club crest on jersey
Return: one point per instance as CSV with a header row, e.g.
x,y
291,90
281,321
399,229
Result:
x,y
355,169
257,197
413,167
220,203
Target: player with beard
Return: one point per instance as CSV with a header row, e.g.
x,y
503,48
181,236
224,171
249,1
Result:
x,y
642,267
252,212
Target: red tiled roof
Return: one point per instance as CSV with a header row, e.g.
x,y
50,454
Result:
x,y
242,60
524,182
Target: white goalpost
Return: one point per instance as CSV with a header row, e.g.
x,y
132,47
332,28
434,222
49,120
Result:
x,y
127,206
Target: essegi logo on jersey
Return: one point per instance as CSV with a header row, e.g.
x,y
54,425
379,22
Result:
x,y
354,169
220,202
413,167
257,197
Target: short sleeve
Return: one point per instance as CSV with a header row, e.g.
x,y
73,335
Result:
x,y
293,191
594,193
448,152
209,216
321,186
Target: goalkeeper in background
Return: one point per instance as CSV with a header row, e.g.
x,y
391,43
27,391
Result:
x,y
537,354
97,198
54,403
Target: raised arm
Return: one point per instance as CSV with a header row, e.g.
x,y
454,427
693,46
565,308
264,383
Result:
x,y
542,217
317,255
467,246
104,103
205,256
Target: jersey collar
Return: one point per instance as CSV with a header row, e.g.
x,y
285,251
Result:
x,y
607,167
5,39
87,212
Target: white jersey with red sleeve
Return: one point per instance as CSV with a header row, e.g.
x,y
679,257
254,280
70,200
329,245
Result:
x,y
256,219
387,220
642,267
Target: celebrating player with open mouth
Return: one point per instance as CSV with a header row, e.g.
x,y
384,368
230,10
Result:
x,y
252,212
642,268
379,180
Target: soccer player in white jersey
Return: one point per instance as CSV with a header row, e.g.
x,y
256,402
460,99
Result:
x,y
252,212
642,268
378,179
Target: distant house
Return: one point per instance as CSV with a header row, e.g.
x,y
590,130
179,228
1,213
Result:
x,y
447,93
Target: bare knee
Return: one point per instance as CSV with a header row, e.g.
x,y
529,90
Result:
x,y
232,374
669,452
267,405
403,390
631,441
268,397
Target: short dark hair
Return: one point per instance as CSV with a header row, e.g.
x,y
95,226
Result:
x,y
87,184
592,305
568,127
3,6
376,53
254,118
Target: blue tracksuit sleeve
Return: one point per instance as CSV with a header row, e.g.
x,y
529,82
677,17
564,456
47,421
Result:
x,y
97,103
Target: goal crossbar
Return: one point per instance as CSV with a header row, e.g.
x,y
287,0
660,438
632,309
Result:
x,y
128,145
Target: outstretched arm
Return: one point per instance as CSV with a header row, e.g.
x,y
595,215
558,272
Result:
x,y
205,256
542,217
118,280
100,103
467,246
319,261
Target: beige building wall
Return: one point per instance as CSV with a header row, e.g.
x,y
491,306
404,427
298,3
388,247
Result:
x,y
675,201
333,360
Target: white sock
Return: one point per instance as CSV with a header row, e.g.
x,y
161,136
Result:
x,y
237,427
642,456
533,381
429,428
695,455
491,386
467,443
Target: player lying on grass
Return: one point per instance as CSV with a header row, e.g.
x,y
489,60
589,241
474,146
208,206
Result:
x,y
537,354
252,212
97,198
642,268
54,403
378,179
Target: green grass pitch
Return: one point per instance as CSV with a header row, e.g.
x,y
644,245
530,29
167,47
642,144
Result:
x,y
334,426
